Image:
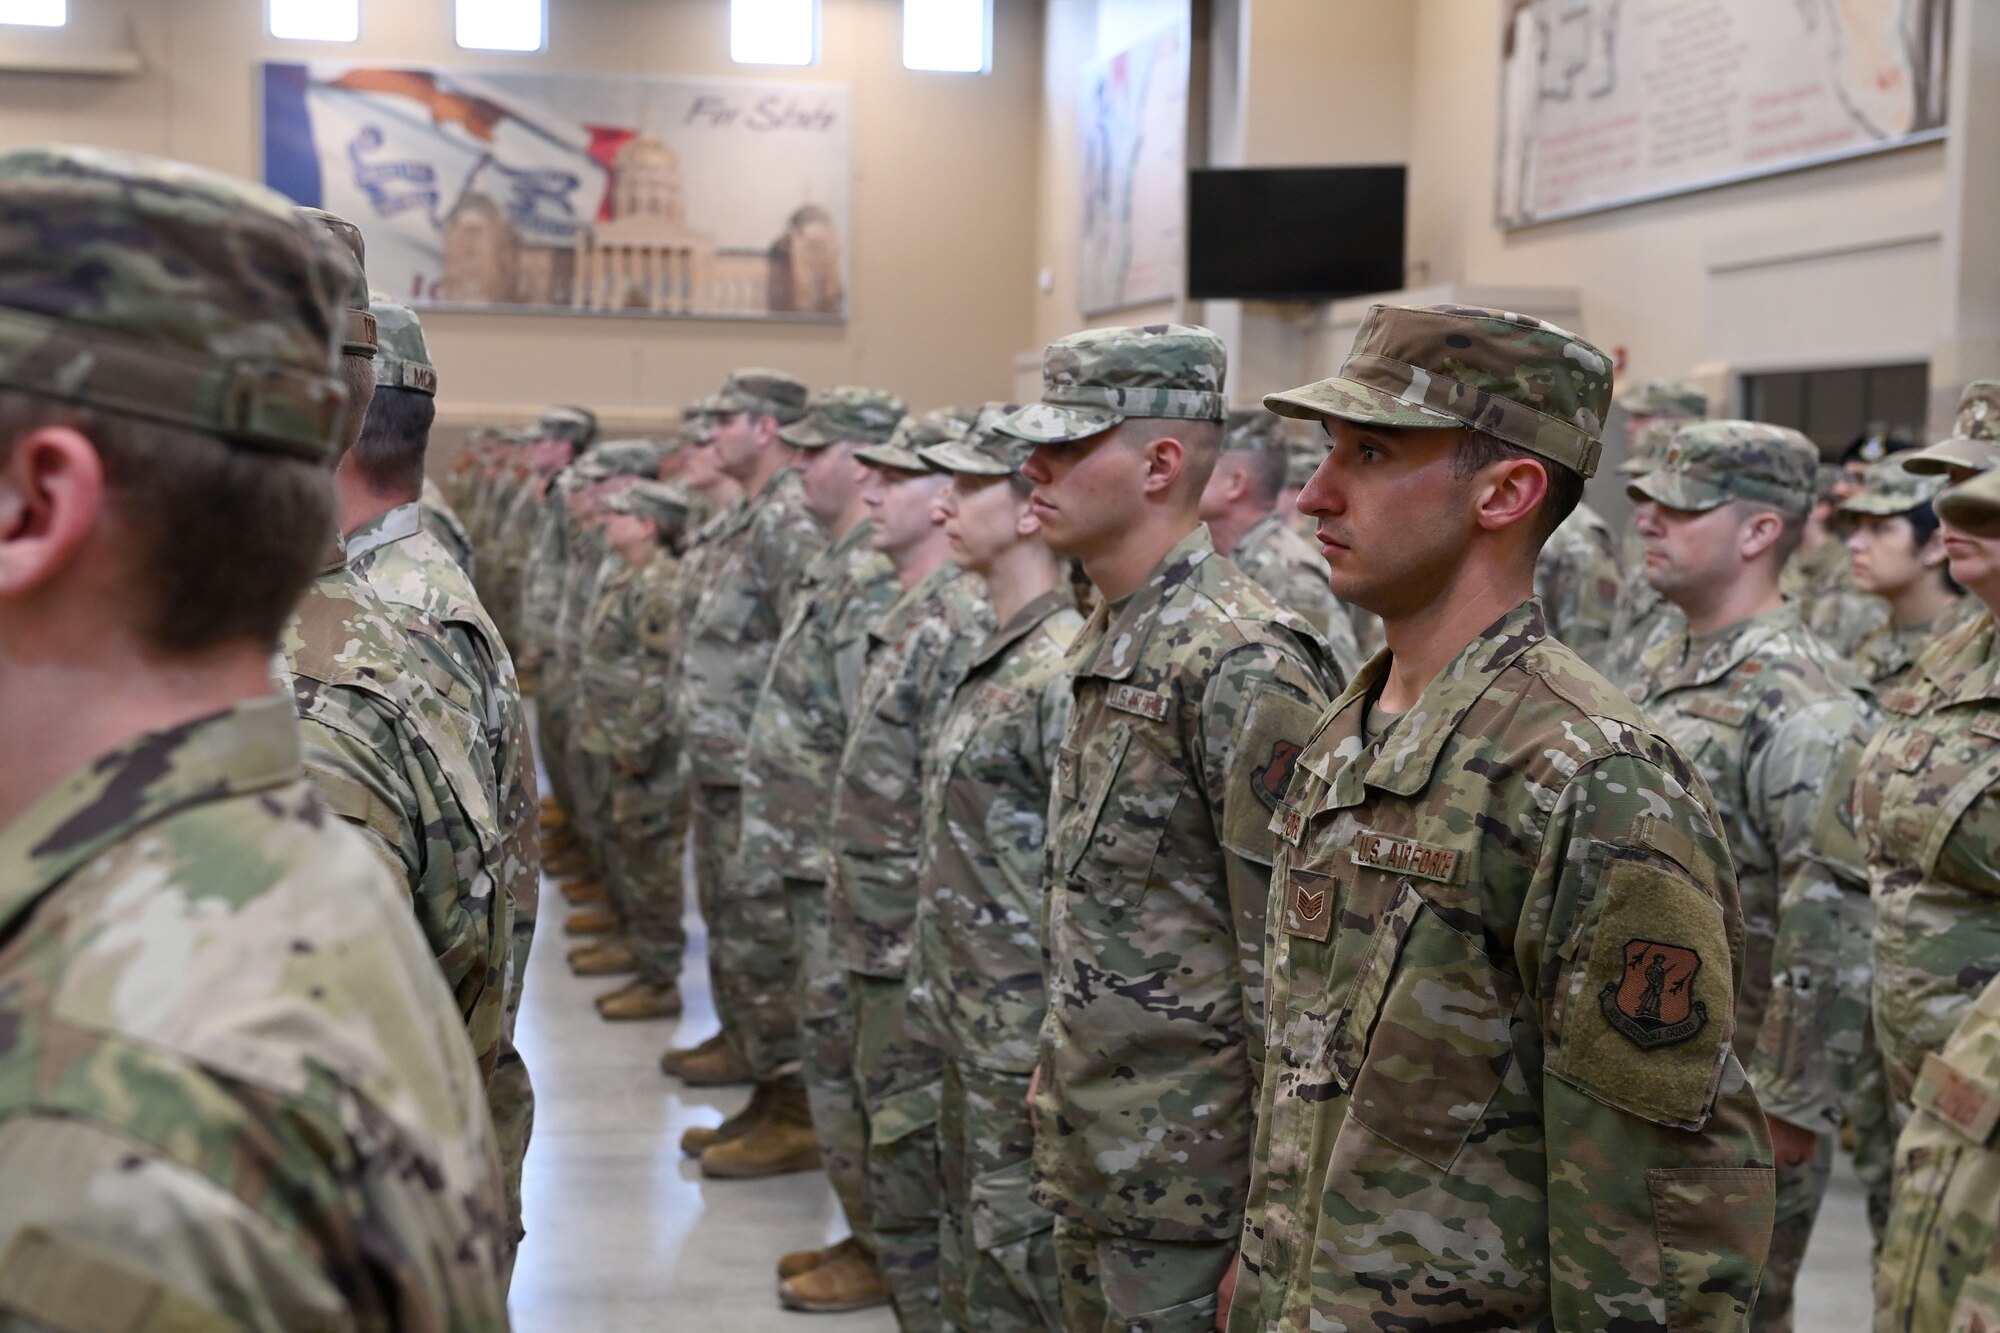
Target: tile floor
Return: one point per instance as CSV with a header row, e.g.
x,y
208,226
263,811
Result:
x,y
625,1235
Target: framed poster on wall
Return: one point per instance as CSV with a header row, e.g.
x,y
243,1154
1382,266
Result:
x,y
1612,102
1132,116
584,194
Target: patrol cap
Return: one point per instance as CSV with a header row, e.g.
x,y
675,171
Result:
x,y
402,359
1888,488
984,450
665,505
867,416
1092,381
578,425
1709,464
1664,398
157,290
1650,447
914,434
622,458
1518,379
1255,430
361,339
764,392
1974,441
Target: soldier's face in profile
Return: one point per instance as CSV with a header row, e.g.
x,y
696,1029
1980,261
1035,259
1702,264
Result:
x,y
831,478
1975,562
983,518
1086,492
1886,556
1392,521
734,439
901,503
1690,551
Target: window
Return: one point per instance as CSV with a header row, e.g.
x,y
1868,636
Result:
x,y
502,25
35,13
1835,407
316,20
774,32
949,36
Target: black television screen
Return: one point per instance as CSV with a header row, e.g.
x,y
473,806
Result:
x,y
1294,233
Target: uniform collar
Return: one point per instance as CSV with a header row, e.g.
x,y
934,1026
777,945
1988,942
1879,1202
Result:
x,y
1402,759
337,558
915,603
1023,624
395,525
251,747
1259,530
1128,624
1686,661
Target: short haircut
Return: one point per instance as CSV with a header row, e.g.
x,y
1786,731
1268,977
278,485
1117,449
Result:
x,y
390,453
221,540
1266,470
1201,441
1791,527
1477,450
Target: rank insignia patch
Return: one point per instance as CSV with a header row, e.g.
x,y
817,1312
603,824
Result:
x,y
1652,1003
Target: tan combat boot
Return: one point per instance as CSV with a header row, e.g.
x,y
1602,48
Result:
x,y
697,1140
584,892
709,1065
594,921
552,814
604,958
777,1144
804,1261
849,1281
570,862
636,1001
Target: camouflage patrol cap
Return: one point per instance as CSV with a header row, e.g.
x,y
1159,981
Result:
x,y
665,505
984,450
1973,506
1664,398
361,339
1888,489
1974,441
578,425
1712,463
157,290
1255,430
763,392
622,458
866,416
1650,447
1092,381
402,358
1520,380
914,434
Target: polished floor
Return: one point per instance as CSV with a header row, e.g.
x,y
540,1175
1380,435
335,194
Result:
x,y
626,1236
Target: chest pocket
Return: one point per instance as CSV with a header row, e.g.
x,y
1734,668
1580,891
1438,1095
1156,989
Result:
x,y
1126,801
1416,1019
1927,796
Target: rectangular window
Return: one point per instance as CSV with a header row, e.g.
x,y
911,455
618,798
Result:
x,y
774,32
35,13
316,20
948,36
502,25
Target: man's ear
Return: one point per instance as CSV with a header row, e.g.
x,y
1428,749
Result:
x,y
1509,492
51,493
1166,462
1759,533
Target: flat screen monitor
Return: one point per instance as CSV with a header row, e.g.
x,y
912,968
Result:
x,y
1294,233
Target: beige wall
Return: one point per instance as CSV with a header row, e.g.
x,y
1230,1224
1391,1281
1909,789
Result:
x,y
941,236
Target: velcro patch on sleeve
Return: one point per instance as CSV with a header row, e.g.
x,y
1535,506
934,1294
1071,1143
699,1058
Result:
x,y
1266,748
1966,1104
1649,1021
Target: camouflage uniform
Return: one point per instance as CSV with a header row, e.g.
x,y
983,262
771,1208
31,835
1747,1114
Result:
x,y
392,757
1500,1090
1940,1266
1765,711
918,651
762,555
232,1090
975,971
442,522
1641,619
397,555
1577,581
1822,581
1191,697
1974,442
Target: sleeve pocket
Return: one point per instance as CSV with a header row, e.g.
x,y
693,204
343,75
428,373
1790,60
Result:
x,y
1714,1230
1130,814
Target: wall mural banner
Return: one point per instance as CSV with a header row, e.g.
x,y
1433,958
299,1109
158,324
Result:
x,y
1610,102
1133,118
581,194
